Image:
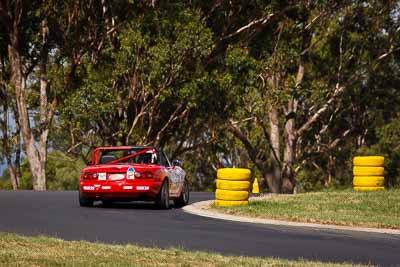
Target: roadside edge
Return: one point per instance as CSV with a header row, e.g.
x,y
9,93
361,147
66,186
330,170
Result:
x,y
202,209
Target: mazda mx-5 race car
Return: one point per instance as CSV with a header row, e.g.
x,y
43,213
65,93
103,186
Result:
x,y
128,173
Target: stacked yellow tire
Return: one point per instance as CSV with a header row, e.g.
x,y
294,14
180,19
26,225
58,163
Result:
x,y
232,187
368,173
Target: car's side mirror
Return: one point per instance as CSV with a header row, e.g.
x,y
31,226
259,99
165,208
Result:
x,y
176,162
89,162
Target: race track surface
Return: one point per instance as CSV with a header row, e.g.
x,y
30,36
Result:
x,y
58,214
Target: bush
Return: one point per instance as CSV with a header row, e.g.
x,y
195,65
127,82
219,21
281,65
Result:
x,y
311,180
62,172
5,184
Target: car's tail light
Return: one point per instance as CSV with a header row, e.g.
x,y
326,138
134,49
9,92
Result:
x,y
90,175
144,175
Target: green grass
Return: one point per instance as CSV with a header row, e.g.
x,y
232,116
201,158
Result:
x,y
380,209
42,251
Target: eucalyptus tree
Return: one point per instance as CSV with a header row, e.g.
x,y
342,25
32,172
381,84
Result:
x,y
11,147
45,43
299,63
150,89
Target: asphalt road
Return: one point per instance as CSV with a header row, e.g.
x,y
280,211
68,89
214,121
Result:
x,y
58,214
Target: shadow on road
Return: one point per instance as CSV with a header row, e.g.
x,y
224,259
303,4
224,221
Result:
x,y
134,205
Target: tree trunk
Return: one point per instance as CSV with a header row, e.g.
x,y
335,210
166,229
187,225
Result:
x,y
288,180
17,162
330,167
14,170
45,111
18,81
290,134
274,180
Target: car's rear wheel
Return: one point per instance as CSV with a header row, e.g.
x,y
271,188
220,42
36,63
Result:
x,y
85,201
183,199
162,201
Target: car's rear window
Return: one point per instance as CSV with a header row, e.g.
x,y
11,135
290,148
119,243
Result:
x,y
107,156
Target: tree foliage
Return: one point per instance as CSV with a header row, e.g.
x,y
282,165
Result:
x,y
291,89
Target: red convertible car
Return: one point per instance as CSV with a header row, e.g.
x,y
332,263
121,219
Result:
x,y
127,173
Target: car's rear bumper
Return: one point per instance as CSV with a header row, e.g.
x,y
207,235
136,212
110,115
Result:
x,y
127,190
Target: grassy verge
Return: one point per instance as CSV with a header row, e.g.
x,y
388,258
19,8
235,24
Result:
x,y
42,251
379,209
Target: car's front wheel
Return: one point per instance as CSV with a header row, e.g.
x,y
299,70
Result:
x,y
183,199
162,200
85,201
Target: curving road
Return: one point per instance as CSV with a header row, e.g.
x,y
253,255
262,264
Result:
x,y
58,214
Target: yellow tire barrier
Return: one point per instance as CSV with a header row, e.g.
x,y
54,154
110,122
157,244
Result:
x,y
232,185
228,203
376,161
231,195
368,188
233,174
368,171
368,181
